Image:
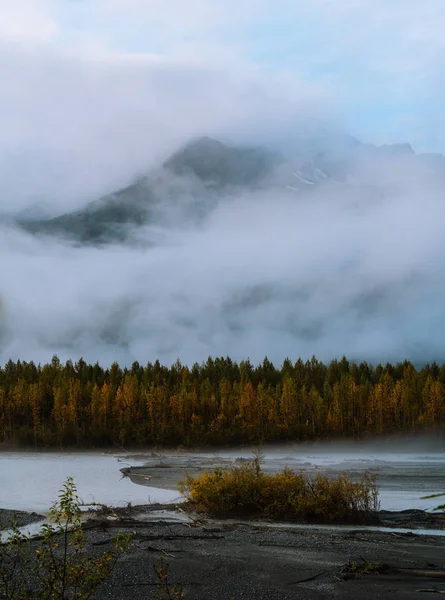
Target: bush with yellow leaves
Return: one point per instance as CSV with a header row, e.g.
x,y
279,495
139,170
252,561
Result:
x,y
245,490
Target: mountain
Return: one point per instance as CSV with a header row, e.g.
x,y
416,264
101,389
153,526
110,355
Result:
x,y
193,178
366,164
205,171
223,166
101,221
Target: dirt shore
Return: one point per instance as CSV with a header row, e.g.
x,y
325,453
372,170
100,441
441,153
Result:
x,y
223,560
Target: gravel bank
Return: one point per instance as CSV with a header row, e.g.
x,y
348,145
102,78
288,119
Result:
x,y
220,561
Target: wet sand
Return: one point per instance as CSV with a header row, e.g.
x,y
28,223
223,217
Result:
x,y
221,560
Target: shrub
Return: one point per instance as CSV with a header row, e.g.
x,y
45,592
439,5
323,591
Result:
x,y
62,567
247,490
15,560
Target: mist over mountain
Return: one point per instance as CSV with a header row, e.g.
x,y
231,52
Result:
x,y
190,181
225,249
189,185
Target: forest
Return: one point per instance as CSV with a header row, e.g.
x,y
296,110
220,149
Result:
x,y
218,402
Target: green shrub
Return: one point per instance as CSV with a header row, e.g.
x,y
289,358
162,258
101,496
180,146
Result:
x,y
247,490
62,567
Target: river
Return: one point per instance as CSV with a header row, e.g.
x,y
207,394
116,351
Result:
x,y
30,481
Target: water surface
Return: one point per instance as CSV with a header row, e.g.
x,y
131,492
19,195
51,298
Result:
x,y
30,481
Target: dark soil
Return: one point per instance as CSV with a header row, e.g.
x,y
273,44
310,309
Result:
x,y
247,560
221,560
413,519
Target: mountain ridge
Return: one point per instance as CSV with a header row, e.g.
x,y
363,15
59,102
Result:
x,y
197,175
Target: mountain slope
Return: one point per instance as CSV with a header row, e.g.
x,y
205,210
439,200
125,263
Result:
x,y
196,177
193,176
223,166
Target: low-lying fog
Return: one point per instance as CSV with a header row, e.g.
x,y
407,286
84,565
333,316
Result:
x,y
273,273
355,268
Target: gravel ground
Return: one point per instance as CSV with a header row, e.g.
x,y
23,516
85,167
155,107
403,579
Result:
x,y
224,560
245,561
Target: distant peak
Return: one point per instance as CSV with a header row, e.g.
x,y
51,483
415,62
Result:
x,y
203,143
207,141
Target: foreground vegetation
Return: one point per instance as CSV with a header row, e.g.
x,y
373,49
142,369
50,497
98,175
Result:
x,y
62,567
218,402
247,490
60,564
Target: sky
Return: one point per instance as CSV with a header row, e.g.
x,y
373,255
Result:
x,y
381,60
96,92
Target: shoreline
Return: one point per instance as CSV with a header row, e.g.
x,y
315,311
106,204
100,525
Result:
x,y
411,519
411,441
219,560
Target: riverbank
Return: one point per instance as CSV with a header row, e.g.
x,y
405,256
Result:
x,y
257,561
415,520
223,559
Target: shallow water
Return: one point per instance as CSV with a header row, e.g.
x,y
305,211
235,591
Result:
x,y
356,528
402,477
30,481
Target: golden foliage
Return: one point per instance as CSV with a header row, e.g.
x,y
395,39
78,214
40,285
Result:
x,y
246,490
218,402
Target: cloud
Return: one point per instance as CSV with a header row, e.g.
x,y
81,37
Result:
x,y
385,59
328,272
76,127
28,20
95,93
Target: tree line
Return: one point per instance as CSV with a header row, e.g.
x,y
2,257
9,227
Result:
x,y
217,402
